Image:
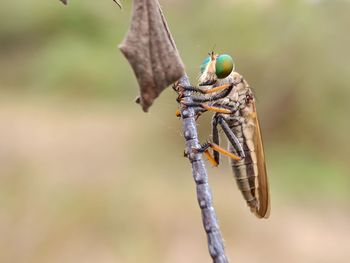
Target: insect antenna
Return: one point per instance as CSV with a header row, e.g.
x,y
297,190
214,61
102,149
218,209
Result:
x,y
211,54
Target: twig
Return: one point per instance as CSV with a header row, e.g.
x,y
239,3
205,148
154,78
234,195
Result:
x,y
65,2
118,3
200,176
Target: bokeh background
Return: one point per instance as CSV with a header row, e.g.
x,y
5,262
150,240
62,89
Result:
x,y
86,176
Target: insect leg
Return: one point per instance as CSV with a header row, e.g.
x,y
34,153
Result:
x,y
201,90
221,92
231,137
205,150
216,138
217,96
208,107
189,88
216,109
210,158
217,148
218,88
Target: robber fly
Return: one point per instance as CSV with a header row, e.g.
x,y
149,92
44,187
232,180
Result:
x,y
226,93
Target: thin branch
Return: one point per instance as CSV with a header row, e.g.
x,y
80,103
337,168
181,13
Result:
x,y
118,3
200,176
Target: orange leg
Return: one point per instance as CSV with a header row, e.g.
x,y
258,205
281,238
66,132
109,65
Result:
x,y
180,89
207,107
217,148
216,89
210,158
216,109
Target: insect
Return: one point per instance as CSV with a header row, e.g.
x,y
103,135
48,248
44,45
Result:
x,y
225,92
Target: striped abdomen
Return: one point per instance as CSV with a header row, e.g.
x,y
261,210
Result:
x,y
246,170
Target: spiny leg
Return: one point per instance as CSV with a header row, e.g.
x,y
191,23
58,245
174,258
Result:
x,y
203,91
216,138
218,109
217,148
180,89
214,97
210,158
221,92
231,137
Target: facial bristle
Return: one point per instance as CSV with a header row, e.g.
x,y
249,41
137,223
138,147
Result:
x,y
205,63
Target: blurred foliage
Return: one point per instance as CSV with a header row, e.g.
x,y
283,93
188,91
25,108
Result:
x,y
67,114
294,54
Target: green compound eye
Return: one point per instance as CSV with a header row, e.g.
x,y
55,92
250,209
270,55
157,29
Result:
x,y
224,66
205,63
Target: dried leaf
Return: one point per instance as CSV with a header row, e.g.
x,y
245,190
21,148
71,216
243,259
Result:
x,y
151,51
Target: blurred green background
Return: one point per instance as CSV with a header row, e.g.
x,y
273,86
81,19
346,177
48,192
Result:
x,y
86,176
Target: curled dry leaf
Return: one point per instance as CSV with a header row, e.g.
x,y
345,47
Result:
x,y
151,51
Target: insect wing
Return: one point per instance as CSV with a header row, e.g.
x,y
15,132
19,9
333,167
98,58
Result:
x,y
263,186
